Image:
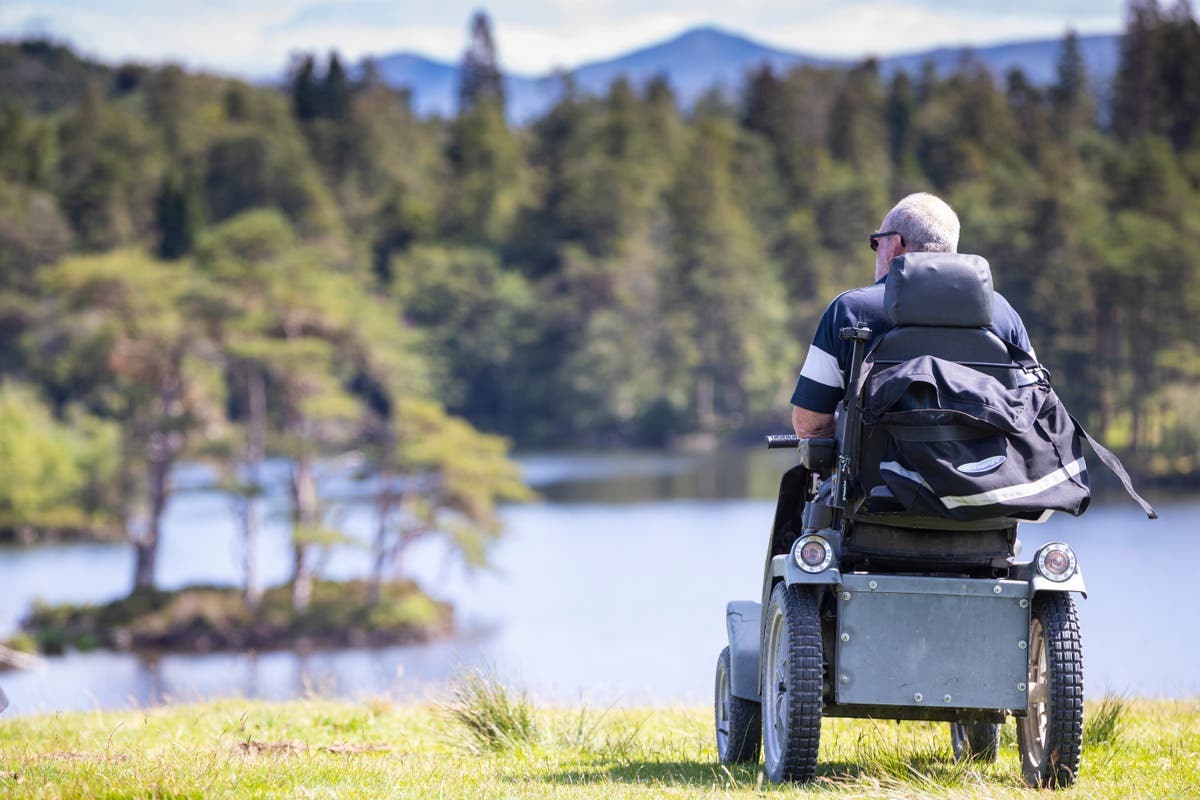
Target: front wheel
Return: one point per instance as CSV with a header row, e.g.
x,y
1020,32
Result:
x,y
739,726
975,741
1050,736
792,674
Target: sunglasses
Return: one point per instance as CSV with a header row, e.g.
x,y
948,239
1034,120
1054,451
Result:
x,y
875,237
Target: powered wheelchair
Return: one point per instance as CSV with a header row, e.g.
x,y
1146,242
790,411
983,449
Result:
x,y
870,610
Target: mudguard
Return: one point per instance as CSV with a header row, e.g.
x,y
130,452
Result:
x,y
1073,584
785,567
742,618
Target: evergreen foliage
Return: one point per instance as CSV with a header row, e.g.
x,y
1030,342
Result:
x,y
482,83
618,271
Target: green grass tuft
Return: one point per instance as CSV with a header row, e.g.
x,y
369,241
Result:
x,y
1103,722
495,717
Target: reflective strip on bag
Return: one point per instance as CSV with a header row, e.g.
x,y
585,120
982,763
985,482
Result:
x,y
994,496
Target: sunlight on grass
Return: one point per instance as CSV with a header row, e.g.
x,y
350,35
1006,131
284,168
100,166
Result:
x,y
494,743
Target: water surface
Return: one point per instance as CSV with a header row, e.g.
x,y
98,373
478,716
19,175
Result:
x,y
611,588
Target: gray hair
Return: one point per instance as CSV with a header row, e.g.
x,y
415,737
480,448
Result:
x,y
926,223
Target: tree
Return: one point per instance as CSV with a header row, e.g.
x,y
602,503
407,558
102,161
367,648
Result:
x,y
1137,96
280,331
476,316
123,336
480,80
1074,106
723,290
900,113
489,183
50,471
336,91
856,121
33,233
306,94
1179,74
180,207
436,474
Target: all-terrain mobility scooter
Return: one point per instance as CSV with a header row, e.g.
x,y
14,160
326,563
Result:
x,y
884,599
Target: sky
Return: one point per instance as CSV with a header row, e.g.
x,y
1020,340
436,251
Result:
x,y
256,37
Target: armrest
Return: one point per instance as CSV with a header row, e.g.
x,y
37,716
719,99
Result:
x,y
817,454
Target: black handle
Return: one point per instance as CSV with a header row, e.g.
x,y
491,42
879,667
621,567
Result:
x,y
777,441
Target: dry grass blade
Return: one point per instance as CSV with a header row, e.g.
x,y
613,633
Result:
x,y
355,749
258,748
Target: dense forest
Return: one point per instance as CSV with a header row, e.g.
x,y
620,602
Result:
x,y
193,267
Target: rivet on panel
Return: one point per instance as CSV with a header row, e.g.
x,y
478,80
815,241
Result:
x,y
846,596
997,589
918,697
845,637
873,585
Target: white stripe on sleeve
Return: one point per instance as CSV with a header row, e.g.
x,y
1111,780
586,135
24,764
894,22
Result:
x,y
823,368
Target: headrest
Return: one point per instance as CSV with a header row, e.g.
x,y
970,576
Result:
x,y
939,289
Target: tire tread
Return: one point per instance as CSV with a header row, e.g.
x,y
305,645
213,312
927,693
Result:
x,y
805,653
745,721
1064,726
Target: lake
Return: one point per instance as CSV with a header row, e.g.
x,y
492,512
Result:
x,y
611,590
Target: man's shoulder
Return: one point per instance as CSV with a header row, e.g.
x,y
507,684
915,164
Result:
x,y
1002,310
855,300
861,305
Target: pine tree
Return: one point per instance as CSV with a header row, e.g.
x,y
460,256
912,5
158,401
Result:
x,y
336,91
306,100
1178,74
1074,107
481,81
180,213
1136,95
901,108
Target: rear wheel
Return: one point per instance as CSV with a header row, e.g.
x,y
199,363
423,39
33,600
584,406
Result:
x,y
1050,736
791,684
977,741
739,723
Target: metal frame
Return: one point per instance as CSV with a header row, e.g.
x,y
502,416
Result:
x,y
744,623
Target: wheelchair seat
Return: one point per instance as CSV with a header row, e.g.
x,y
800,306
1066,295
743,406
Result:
x,y
941,304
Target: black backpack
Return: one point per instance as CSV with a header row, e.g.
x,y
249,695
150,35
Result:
x,y
960,444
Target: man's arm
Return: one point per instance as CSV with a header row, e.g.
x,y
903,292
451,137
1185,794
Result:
x,y
810,424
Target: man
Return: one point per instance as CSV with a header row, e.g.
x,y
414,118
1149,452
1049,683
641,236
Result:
x,y
918,223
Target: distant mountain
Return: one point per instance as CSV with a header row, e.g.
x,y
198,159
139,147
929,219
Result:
x,y
1037,59
434,86
706,58
695,62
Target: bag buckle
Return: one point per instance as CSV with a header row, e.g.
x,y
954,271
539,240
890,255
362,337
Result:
x,y
1040,374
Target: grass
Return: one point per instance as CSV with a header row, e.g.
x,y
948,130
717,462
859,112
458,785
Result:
x,y
319,748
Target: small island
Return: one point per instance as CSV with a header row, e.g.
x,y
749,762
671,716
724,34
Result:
x,y
200,619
